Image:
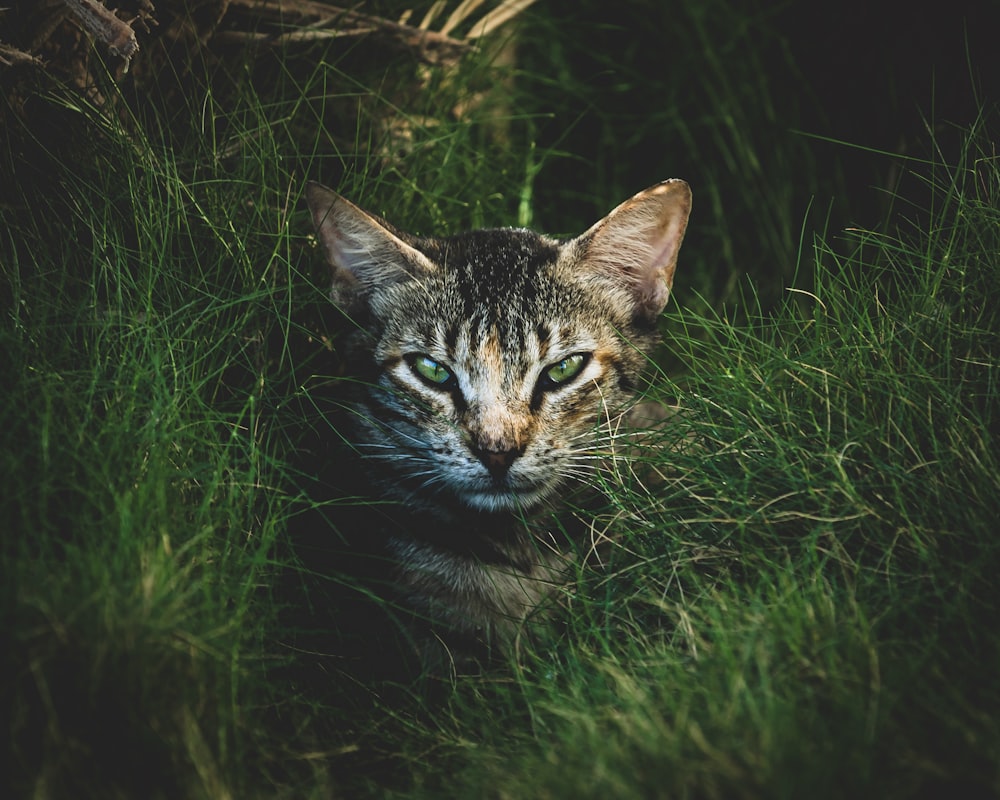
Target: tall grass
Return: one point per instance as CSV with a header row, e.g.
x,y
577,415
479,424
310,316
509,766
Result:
x,y
798,598
808,609
136,531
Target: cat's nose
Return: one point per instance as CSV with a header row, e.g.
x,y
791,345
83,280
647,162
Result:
x,y
497,461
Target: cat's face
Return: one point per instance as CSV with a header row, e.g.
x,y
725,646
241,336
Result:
x,y
497,363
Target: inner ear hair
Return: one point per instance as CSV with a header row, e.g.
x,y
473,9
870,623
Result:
x,y
637,244
363,252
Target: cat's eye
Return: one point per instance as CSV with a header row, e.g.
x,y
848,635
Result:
x,y
565,370
434,372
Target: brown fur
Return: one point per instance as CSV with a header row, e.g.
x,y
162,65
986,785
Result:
x,y
494,371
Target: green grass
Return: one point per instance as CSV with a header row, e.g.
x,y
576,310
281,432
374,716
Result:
x,y
800,601
808,612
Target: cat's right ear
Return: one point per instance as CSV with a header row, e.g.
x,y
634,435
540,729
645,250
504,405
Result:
x,y
364,254
635,247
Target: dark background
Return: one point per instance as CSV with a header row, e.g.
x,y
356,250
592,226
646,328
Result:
x,y
874,75
786,118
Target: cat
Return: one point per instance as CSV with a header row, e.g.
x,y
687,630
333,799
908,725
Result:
x,y
489,374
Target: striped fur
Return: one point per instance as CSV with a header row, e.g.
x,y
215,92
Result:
x,y
493,370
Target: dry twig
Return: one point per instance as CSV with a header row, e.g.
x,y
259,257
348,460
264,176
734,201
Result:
x,y
101,23
313,20
12,56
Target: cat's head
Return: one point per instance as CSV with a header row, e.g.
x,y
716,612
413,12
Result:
x,y
498,362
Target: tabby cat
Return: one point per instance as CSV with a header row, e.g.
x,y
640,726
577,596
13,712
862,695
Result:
x,y
491,371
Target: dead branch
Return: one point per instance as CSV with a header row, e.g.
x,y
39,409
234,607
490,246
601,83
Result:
x,y
101,23
313,20
12,57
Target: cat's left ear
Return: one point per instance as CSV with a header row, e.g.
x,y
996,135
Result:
x,y
636,245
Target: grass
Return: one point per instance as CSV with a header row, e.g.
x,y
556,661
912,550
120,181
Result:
x,y
799,601
816,621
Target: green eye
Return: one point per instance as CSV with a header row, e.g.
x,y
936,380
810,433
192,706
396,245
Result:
x,y
563,371
430,370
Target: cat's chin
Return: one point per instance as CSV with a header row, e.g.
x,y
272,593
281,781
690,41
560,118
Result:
x,y
495,501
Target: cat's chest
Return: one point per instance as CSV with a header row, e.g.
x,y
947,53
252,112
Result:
x,y
484,590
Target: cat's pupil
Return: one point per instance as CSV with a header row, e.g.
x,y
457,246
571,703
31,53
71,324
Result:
x,y
430,370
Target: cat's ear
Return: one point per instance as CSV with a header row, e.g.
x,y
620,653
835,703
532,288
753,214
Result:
x,y
636,245
363,252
